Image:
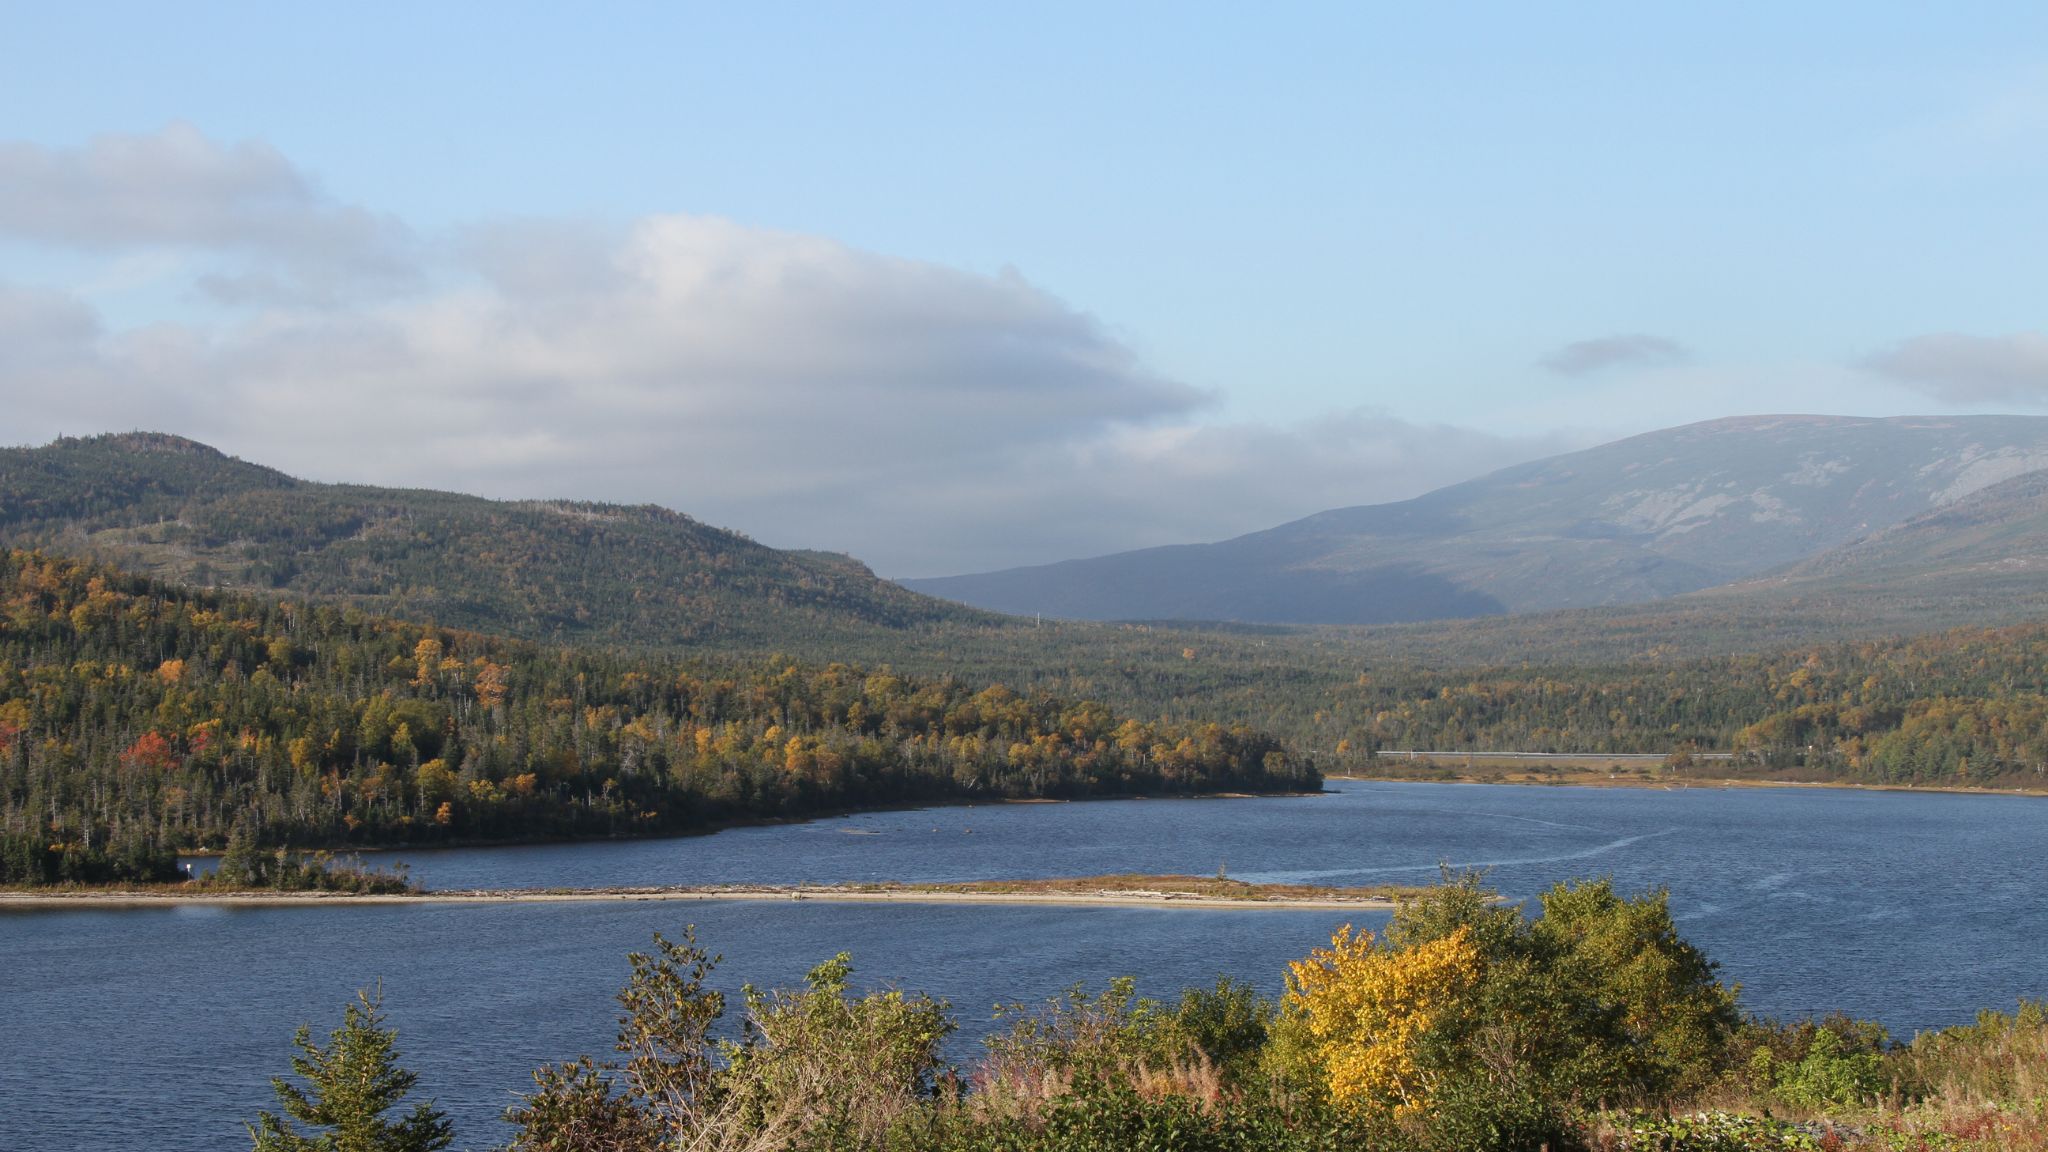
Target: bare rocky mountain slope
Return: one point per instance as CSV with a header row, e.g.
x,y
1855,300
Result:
x,y
1634,521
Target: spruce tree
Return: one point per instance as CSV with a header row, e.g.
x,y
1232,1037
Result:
x,y
350,1085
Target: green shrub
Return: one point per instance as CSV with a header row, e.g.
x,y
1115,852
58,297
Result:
x,y
1710,1132
1835,1067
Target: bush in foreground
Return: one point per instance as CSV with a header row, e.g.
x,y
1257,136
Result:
x,y
1464,1027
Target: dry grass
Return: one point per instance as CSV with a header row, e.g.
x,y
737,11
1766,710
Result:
x,y
1981,1086
1194,1077
1007,1089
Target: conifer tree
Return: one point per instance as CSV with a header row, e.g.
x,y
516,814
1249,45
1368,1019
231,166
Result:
x,y
350,1085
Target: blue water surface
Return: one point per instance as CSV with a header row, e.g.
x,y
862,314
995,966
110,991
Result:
x,y
159,1028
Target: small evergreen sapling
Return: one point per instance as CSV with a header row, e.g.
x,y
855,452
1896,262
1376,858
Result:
x,y
350,1085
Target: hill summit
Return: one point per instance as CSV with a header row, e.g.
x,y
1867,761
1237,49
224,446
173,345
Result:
x,y
546,569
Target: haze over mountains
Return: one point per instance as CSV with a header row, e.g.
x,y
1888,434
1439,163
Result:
x,y
1638,520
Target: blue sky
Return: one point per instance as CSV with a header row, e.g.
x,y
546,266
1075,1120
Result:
x,y
1026,283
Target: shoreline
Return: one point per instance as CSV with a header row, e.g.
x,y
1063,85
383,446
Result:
x,y
1594,779
841,894
716,827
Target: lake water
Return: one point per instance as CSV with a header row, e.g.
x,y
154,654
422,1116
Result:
x,y
159,1028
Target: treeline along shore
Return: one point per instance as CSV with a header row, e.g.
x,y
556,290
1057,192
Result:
x,y
138,719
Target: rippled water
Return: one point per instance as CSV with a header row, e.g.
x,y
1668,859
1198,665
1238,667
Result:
x,y
158,1029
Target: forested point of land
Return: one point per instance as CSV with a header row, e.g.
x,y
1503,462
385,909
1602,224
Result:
x,y
138,719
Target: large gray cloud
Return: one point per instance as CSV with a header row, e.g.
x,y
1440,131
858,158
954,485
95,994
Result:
x,y
1964,369
1585,357
177,188
927,419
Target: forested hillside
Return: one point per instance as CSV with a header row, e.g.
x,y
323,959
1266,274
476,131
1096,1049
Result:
x,y
545,570
1803,678
137,718
1965,706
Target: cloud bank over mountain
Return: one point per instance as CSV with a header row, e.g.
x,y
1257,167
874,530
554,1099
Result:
x,y
927,418
1964,369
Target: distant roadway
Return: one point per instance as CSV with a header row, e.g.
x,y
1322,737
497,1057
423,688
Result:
x,y
1632,757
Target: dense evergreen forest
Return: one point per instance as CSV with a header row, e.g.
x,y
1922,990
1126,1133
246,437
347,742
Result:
x,y
137,718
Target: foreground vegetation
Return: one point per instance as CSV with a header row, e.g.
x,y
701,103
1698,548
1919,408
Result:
x,y
1466,1026
138,719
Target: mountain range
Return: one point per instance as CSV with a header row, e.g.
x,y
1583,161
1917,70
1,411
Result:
x,y
1822,498
1761,530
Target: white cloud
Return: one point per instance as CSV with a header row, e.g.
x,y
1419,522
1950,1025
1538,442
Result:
x,y
177,188
1963,369
927,419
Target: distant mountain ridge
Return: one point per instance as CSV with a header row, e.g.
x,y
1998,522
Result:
x,y
646,576
1996,532
1633,521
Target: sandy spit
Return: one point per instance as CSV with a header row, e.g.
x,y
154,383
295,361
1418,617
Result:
x,y
1109,899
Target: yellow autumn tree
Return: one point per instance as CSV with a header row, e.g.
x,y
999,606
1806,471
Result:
x,y
1369,1007
426,657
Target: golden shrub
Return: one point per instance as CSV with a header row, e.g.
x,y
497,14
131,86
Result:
x,y
1368,1009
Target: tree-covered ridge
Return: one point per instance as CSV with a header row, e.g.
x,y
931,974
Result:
x,y
136,717
545,570
131,477
1651,679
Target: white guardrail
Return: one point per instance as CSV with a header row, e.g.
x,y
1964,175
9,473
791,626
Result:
x,y
1642,757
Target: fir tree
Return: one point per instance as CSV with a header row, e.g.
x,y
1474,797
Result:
x,y
350,1085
